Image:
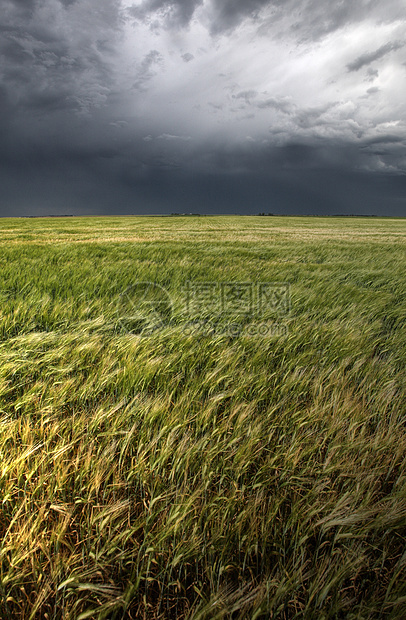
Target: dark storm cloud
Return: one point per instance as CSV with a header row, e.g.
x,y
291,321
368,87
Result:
x,y
227,14
304,20
23,3
51,62
313,18
385,139
6,115
297,178
386,150
22,6
366,59
268,159
81,133
55,76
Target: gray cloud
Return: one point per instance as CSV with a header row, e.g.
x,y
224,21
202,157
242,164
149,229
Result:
x,y
310,117
145,71
246,95
227,14
170,137
366,59
51,62
21,7
308,21
172,12
250,98
281,105
372,74
303,20
384,139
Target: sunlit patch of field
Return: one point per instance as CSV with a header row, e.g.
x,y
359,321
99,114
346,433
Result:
x,y
199,475
199,228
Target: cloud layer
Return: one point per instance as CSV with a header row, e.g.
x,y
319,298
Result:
x,y
160,104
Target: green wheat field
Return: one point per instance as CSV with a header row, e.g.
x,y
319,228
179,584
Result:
x,y
153,470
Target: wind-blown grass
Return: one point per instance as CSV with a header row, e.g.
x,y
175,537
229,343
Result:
x,y
197,475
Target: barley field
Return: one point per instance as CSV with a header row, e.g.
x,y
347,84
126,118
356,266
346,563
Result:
x,y
178,468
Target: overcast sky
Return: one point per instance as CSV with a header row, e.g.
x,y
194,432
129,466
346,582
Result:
x,y
211,106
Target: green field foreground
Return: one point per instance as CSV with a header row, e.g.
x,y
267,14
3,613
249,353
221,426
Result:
x,y
174,473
